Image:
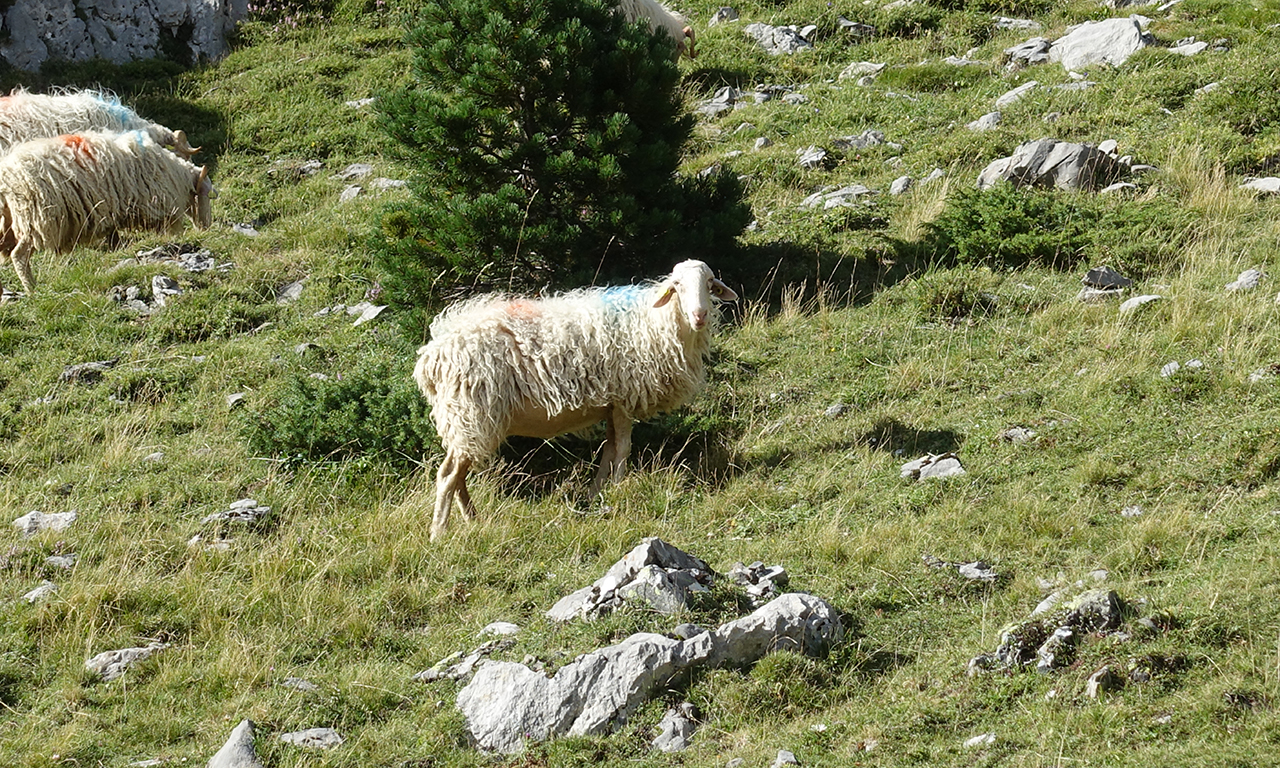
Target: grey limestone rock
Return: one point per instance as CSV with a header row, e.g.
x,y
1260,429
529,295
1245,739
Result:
x,y
243,511
845,197
676,728
1269,185
785,757
812,157
723,15
1106,278
1015,94
238,751
1056,651
41,592
115,30
313,738
1110,41
985,123
287,294
1053,163
112,664
36,521
861,69
86,373
299,684
1247,281
1133,304
603,595
900,185
933,466
1033,51
507,704
778,40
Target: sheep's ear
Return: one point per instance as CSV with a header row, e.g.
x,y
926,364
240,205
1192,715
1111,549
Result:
x,y
722,291
665,297
688,32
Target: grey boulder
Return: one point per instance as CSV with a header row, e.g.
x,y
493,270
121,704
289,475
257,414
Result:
x,y
238,751
1110,41
1053,163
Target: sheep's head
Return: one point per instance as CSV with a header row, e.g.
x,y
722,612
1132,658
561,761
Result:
x,y
202,193
694,286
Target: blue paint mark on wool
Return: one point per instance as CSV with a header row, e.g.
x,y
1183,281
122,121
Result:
x,y
119,112
621,298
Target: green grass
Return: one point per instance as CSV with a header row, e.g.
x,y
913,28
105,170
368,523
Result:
x,y
869,307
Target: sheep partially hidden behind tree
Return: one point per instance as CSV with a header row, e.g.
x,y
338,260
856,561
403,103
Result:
x,y
498,365
25,116
55,193
657,16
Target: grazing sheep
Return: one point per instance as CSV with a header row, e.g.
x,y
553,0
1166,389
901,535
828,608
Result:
x,y
55,193
659,17
500,365
25,116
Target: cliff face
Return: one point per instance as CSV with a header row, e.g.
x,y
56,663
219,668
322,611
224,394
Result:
x,y
35,31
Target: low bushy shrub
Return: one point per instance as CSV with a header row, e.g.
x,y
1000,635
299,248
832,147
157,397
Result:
x,y
374,411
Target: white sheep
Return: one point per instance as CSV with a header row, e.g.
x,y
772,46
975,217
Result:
x,y
25,116
658,17
55,193
500,365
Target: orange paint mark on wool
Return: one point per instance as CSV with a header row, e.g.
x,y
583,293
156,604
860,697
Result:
x,y
80,148
523,310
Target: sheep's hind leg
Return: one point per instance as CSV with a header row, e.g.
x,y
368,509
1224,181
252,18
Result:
x,y
451,481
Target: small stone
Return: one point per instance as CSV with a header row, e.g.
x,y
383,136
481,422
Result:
x,y
238,751
354,171
1131,511
235,399
1247,281
34,522
499,628
933,466
981,740
676,728
900,185
1138,301
836,410
299,684
359,103
313,738
40,593
1106,278
245,229
762,143
1102,681
978,571
61,562
350,192
1170,368
985,123
1017,435
112,664
369,312
723,15
1119,186
1016,94
812,157
784,758
795,99
287,294
860,69
154,458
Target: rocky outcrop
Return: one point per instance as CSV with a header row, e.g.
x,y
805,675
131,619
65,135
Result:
x,y
36,31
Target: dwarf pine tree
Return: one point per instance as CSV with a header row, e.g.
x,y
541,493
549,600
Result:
x,y
546,136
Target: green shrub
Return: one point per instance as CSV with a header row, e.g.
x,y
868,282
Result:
x,y
546,140
1008,228
375,412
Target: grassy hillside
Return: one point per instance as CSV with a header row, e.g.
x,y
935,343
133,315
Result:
x,y
339,585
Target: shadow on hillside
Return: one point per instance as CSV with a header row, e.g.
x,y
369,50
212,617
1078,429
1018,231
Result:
x,y
147,87
767,273
891,435
538,468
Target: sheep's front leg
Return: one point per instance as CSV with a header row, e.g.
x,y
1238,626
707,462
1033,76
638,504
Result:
x,y
21,258
617,445
451,481
607,454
